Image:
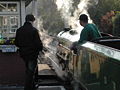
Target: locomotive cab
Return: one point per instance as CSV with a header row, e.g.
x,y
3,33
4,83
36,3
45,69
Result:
x,y
113,42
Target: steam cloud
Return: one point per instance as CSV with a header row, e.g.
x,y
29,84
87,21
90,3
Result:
x,y
65,7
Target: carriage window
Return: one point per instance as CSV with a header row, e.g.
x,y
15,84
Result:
x,y
9,24
12,7
8,7
13,23
3,24
3,7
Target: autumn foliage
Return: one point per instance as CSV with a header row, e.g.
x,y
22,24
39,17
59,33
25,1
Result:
x,y
107,22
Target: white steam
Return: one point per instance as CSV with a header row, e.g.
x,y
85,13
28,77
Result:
x,y
64,6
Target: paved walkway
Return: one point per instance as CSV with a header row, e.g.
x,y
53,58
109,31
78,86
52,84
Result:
x,y
43,69
40,88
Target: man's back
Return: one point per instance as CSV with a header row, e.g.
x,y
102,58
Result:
x,y
25,35
89,33
27,39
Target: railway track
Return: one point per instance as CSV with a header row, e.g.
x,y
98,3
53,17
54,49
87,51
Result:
x,y
54,76
47,80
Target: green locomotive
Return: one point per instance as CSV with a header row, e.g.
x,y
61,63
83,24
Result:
x,y
95,65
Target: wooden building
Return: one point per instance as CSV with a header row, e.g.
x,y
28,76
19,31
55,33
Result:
x,y
12,16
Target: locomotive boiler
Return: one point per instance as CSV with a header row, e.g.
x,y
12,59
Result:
x,y
94,65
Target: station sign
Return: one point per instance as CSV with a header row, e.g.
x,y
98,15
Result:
x,y
8,48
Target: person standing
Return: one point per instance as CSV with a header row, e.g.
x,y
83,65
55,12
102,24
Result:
x,y
89,32
29,43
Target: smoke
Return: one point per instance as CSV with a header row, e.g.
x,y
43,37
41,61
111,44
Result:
x,y
66,8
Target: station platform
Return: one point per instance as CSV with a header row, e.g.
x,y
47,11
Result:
x,y
39,88
12,74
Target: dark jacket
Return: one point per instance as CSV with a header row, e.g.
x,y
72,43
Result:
x,y
27,40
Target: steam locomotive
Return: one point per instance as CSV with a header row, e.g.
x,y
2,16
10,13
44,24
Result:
x,y
95,65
